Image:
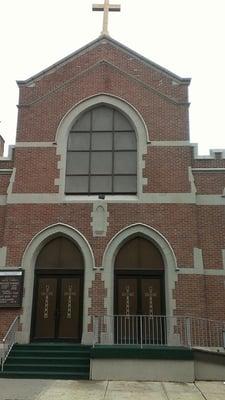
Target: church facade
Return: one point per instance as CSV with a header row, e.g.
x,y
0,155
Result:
x,y
105,205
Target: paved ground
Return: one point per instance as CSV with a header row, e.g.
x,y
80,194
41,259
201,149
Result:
x,y
23,389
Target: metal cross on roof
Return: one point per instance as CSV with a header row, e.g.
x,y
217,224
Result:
x,y
106,8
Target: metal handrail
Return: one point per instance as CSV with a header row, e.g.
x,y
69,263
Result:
x,y
9,340
153,330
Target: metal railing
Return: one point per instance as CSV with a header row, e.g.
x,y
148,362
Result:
x,y
9,340
158,330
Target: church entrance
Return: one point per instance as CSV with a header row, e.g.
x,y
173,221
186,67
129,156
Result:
x,y
139,293
58,292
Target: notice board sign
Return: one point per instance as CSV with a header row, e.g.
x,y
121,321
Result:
x,y
11,288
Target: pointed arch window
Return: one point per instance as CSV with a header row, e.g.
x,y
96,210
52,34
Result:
x,y
101,154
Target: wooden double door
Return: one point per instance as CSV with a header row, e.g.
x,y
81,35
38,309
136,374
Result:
x,y
57,308
139,300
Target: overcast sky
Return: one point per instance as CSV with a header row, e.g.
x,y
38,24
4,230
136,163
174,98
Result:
x,y
185,36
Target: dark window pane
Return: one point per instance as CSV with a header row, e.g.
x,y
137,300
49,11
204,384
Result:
x,y
121,123
102,119
101,184
77,163
79,141
125,184
101,141
125,162
125,141
83,123
76,184
101,163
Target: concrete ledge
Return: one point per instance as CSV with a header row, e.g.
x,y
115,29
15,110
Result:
x,y
150,363
156,363
209,365
142,370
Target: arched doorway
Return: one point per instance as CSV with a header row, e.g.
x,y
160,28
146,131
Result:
x,y
139,292
58,292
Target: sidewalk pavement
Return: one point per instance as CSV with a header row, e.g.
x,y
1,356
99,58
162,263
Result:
x,y
29,389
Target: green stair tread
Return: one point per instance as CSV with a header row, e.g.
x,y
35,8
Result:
x,y
18,359
48,375
58,353
48,361
36,347
52,351
45,365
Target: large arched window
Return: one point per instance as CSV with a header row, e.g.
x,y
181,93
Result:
x,y
101,154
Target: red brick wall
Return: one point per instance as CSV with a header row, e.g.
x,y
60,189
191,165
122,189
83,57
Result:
x,y
211,223
127,62
209,183
176,222
6,164
2,222
167,169
150,91
208,163
190,296
7,316
4,183
215,297
23,222
36,170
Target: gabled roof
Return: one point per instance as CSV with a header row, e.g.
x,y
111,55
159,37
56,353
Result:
x,y
103,39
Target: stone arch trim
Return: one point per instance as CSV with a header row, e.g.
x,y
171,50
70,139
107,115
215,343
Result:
x,y
28,264
164,247
123,106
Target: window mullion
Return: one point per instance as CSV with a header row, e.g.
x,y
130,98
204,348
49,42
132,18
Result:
x,y
90,154
113,149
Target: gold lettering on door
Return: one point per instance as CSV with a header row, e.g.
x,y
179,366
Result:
x,y
70,293
150,294
127,294
47,293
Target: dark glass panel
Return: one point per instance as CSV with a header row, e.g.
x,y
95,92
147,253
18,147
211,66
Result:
x,y
121,123
79,141
101,184
83,123
77,184
125,162
101,141
125,141
125,184
101,163
77,163
102,119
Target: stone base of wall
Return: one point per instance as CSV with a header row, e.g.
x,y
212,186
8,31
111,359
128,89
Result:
x,y
171,364
142,370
